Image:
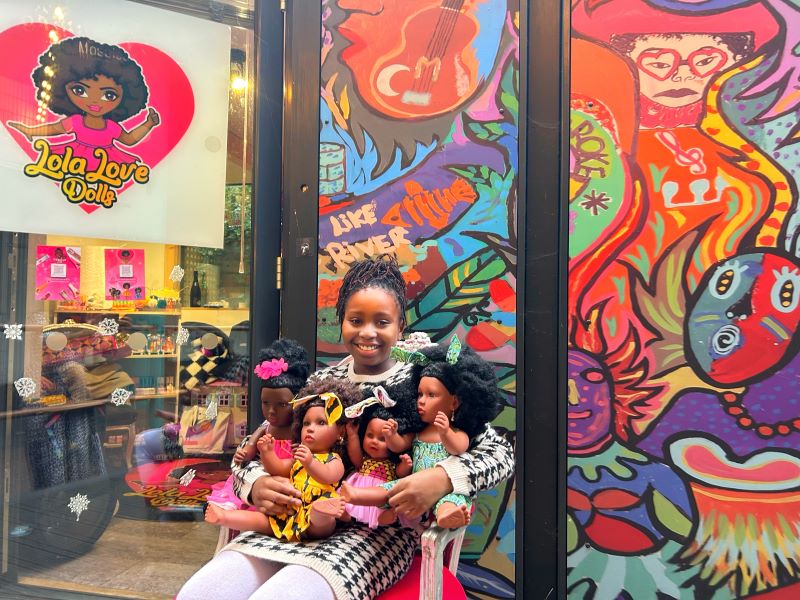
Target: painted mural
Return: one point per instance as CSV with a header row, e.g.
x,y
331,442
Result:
x,y
418,158
684,300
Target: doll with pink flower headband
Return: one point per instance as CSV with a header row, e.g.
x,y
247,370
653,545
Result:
x,y
283,369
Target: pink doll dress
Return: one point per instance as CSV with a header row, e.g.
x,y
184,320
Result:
x,y
87,139
372,473
222,494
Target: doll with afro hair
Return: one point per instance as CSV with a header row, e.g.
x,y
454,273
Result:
x,y
457,397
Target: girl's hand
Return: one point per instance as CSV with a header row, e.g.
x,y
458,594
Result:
x,y
274,495
23,129
240,456
152,117
416,494
303,455
442,423
390,428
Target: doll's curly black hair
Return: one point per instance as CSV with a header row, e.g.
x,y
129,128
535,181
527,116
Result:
x,y
471,378
77,58
348,392
295,356
379,272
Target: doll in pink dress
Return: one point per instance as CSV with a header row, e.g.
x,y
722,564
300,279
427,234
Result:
x,y
283,369
96,87
378,466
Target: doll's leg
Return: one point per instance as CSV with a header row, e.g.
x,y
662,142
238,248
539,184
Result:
x,y
387,517
322,517
452,511
243,520
370,496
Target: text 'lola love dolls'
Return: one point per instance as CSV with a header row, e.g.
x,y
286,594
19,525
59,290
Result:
x,y
95,86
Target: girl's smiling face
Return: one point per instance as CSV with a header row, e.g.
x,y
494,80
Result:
x,y
95,97
371,326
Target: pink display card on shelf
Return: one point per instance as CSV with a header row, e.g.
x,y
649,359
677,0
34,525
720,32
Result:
x,y
58,272
124,274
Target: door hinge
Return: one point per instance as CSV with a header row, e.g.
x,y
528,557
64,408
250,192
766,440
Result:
x,y
278,272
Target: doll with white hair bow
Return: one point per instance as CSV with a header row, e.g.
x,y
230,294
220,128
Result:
x,y
368,451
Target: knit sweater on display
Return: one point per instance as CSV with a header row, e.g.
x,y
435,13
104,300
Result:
x,y
360,563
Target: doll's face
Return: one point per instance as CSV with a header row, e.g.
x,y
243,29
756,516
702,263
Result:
x,y
370,327
743,317
432,398
316,434
374,443
95,97
589,401
275,406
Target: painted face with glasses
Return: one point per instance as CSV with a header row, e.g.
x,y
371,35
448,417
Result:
x,y
675,69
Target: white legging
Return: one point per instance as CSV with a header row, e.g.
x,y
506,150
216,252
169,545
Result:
x,y
231,575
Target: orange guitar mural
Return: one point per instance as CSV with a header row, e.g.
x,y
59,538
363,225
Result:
x,y
424,67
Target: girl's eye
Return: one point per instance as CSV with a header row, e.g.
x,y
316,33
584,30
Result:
x,y
110,95
79,90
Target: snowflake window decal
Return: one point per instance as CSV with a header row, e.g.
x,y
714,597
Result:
x,y
77,504
211,411
13,331
26,387
120,396
187,477
177,274
182,337
108,327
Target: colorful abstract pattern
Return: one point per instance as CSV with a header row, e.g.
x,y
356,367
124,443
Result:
x,y
684,299
418,158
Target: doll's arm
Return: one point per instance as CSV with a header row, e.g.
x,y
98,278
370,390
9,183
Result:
x,y
44,130
330,472
270,460
247,451
395,441
135,135
354,446
405,466
455,442
487,463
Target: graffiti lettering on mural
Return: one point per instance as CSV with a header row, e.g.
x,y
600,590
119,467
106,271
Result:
x,y
431,206
345,253
353,219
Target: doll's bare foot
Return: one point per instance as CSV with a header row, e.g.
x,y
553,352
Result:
x,y
327,507
452,516
346,492
387,517
214,514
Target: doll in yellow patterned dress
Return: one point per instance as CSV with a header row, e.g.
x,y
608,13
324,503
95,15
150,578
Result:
x,y
315,469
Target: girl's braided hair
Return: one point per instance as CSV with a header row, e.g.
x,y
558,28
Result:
x,y
381,272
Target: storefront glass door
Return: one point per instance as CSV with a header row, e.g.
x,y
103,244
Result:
x,y
126,170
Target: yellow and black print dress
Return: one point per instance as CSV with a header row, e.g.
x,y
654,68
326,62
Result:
x,y
292,527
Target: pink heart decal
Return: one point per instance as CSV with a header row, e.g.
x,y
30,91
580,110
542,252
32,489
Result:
x,y
170,93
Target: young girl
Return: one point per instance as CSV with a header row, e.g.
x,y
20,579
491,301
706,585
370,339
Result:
x,y
379,466
458,396
95,86
315,468
355,562
283,369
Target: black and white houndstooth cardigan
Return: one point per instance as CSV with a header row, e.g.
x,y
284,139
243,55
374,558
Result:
x,y
360,563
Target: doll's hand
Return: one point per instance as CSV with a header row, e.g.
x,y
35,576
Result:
x,y
23,129
153,118
442,423
405,459
266,443
352,430
390,428
303,455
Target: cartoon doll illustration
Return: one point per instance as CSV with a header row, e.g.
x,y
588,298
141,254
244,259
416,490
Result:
x,y
96,87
